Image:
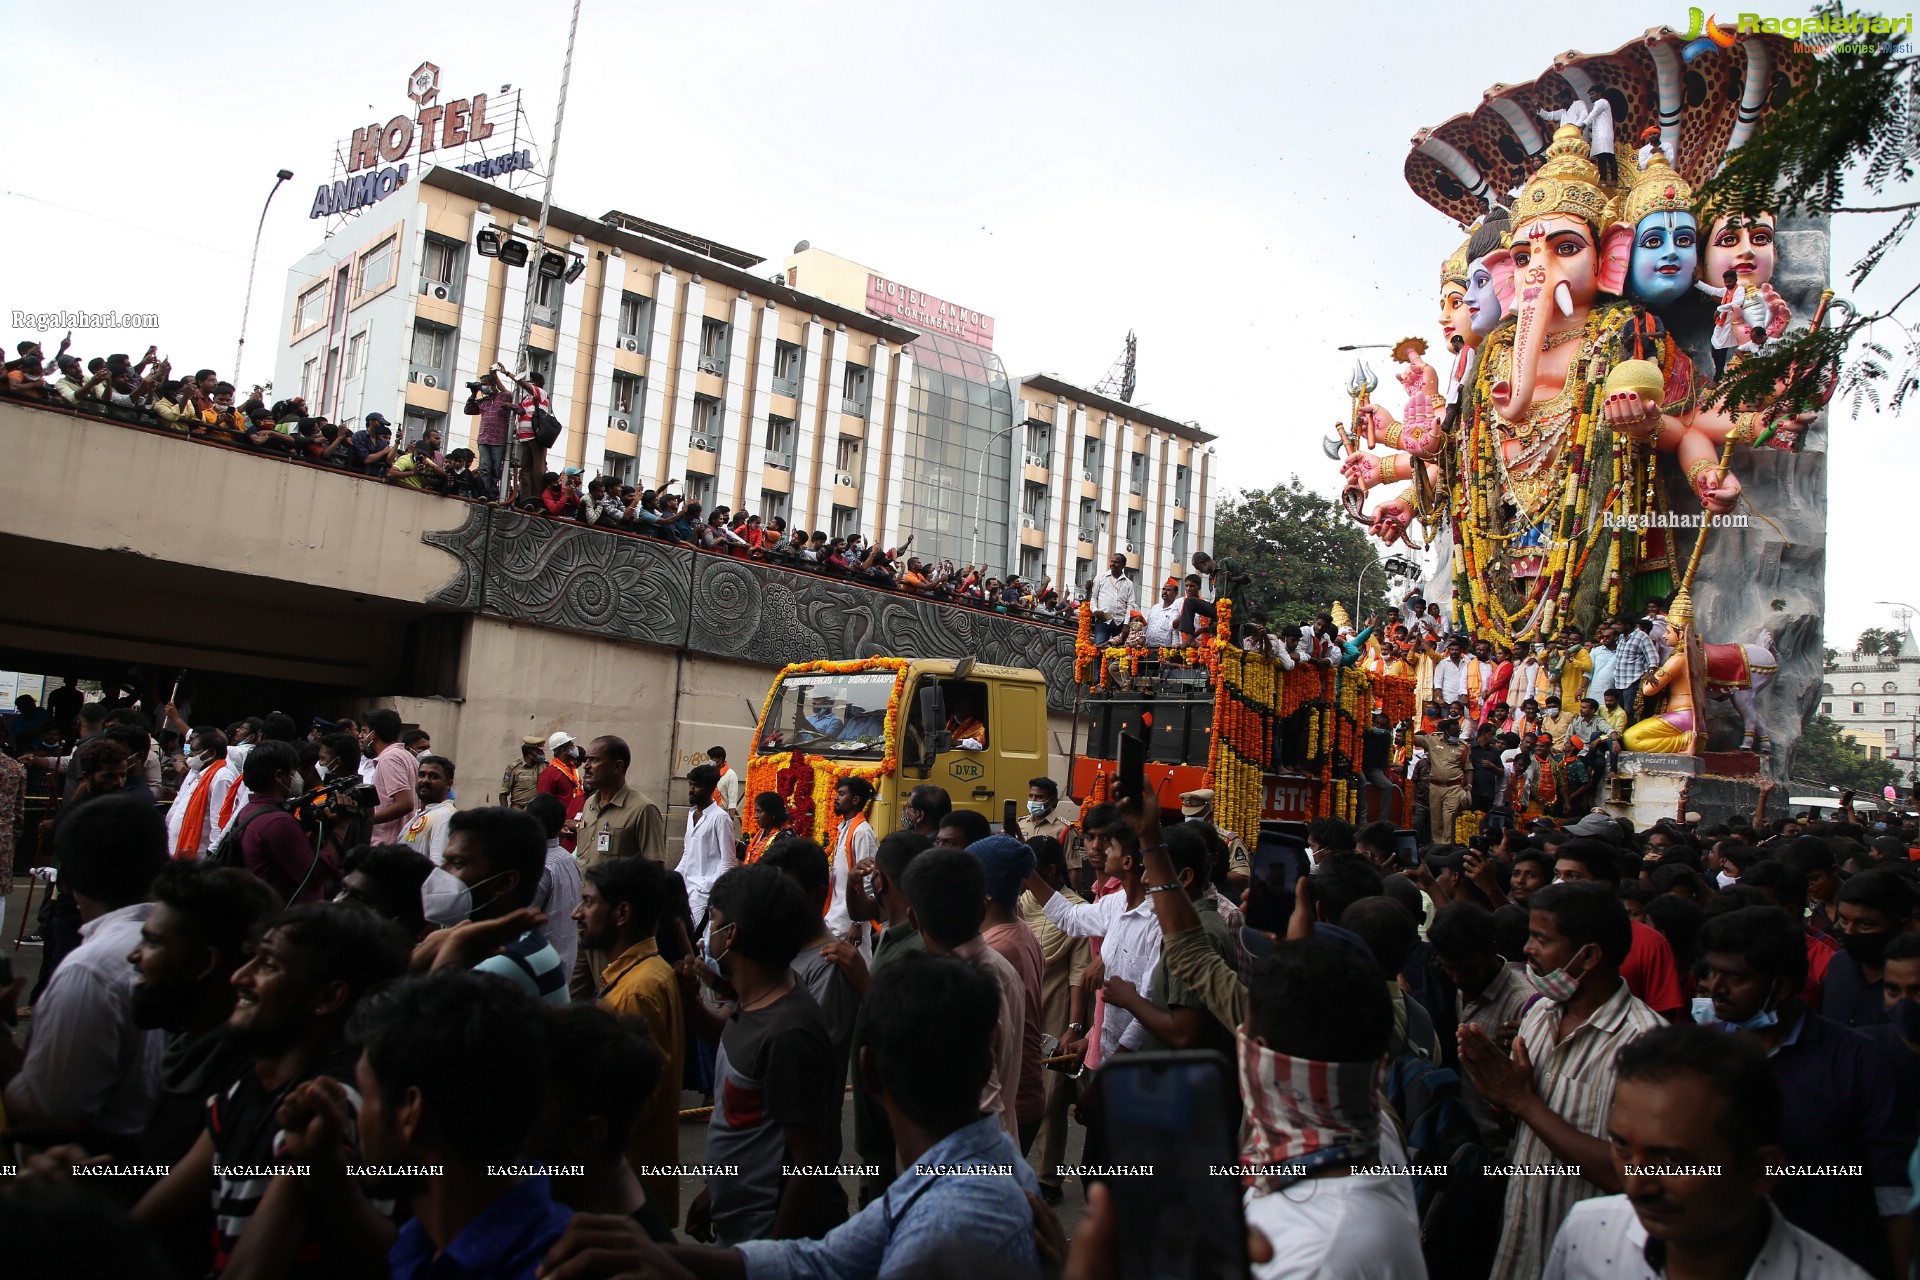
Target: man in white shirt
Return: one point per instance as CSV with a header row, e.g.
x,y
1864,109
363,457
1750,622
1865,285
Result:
x,y
190,818
86,1066
707,851
854,843
1688,1098
1112,601
1123,920
1450,673
1162,616
426,829
732,790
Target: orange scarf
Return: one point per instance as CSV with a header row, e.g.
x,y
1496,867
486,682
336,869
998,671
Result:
x,y
226,806
842,839
194,820
573,774
758,845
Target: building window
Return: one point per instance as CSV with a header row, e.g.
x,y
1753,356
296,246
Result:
x,y
1037,444
1888,709
311,310
1826,708
1090,460
853,390
431,343
846,457
1891,739
699,489
1033,504
706,422
376,267
357,355
626,395
1136,530
418,422
786,368
307,373
1856,708
1032,567
773,506
1181,477
541,362
845,523
636,322
1089,520
1177,544
445,267
713,346
1889,687
780,443
617,468
1138,481
1082,577
1873,753
549,296
1858,687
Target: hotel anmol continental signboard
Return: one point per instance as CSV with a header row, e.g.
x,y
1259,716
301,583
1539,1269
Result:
x,y
377,158
893,301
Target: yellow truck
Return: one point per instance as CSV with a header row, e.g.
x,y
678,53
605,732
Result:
x,y
978,731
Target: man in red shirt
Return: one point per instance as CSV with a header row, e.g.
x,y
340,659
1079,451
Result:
x,y
561,780
272,845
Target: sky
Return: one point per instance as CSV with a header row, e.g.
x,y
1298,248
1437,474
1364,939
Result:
x,y
1222,178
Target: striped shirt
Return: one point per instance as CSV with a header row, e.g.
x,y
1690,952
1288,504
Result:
x,y
531,962
1636,657
1574,1078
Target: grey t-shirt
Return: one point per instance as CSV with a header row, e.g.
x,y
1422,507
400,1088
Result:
x,y
839,1006
774,1068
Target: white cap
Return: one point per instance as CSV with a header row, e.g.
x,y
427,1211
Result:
x,y
558,739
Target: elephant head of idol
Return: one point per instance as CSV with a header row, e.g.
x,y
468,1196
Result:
x,y
1652,249
1555,245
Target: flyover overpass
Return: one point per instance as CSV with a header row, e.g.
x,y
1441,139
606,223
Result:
x,y
287,586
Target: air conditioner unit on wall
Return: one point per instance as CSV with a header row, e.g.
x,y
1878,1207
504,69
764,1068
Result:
x,y
843,477
701,442
631,344
715,367
1026,522
424,377
618,422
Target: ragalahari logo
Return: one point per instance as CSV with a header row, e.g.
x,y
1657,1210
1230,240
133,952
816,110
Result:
x,y
1828,31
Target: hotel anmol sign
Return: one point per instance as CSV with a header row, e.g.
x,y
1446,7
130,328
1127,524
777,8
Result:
x,y
893,301
377,157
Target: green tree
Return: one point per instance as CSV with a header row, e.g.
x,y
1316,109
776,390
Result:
x,y
1826,757
1301,551
1879,641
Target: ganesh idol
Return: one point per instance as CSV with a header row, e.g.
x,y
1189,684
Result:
x,y
1573,403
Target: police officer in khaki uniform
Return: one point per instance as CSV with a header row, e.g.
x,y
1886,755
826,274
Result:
x,y
1197,806
520,783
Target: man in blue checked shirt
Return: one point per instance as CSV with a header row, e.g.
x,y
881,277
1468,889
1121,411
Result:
x,y
961,1198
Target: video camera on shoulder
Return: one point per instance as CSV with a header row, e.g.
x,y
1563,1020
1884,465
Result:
x,y
340,795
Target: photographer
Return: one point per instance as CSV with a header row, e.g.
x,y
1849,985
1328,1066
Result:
x,y
461,480
486,401
417,467
343,812
271,843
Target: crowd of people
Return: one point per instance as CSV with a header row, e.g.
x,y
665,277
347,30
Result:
x,y
514,431
305,1009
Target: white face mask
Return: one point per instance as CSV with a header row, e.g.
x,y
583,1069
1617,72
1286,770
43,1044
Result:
x,y
296,784
1036,808
446,899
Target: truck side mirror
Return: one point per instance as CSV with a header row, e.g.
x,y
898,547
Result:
x,y
933,719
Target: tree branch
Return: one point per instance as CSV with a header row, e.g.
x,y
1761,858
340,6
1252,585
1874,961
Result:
x,y
1879,208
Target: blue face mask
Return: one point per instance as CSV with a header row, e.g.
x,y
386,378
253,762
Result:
x,y
1704,1015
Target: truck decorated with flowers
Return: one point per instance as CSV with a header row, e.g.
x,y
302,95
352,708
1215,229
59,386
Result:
x,y
979,731
1272,743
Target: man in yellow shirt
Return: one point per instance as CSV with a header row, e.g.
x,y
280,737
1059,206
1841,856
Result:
x,y
621,901
1576,667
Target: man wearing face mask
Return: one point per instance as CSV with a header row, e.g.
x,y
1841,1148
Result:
x,y
1558,1082
926,808
1874,908
272,845
1848,1109
492,866
190,817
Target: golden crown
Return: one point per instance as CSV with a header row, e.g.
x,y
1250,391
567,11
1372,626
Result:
x,y
1454,269
1569,182
1658,189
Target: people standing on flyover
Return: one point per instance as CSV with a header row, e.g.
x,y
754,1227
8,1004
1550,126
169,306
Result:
x,y
521,781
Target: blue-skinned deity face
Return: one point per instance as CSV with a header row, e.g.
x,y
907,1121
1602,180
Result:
x,y
1483,300
1666,249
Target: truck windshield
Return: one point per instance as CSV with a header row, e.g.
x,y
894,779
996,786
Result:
x,y
830,714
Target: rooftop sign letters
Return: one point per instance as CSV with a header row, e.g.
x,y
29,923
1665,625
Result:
x,y
376,157
924,311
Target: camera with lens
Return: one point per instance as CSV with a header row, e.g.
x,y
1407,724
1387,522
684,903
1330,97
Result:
x,y
338,796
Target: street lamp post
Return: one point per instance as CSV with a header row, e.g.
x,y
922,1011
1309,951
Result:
x,y
246,306
546,201
980,488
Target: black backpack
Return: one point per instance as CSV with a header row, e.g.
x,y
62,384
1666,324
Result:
x,y
227,852
546,428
